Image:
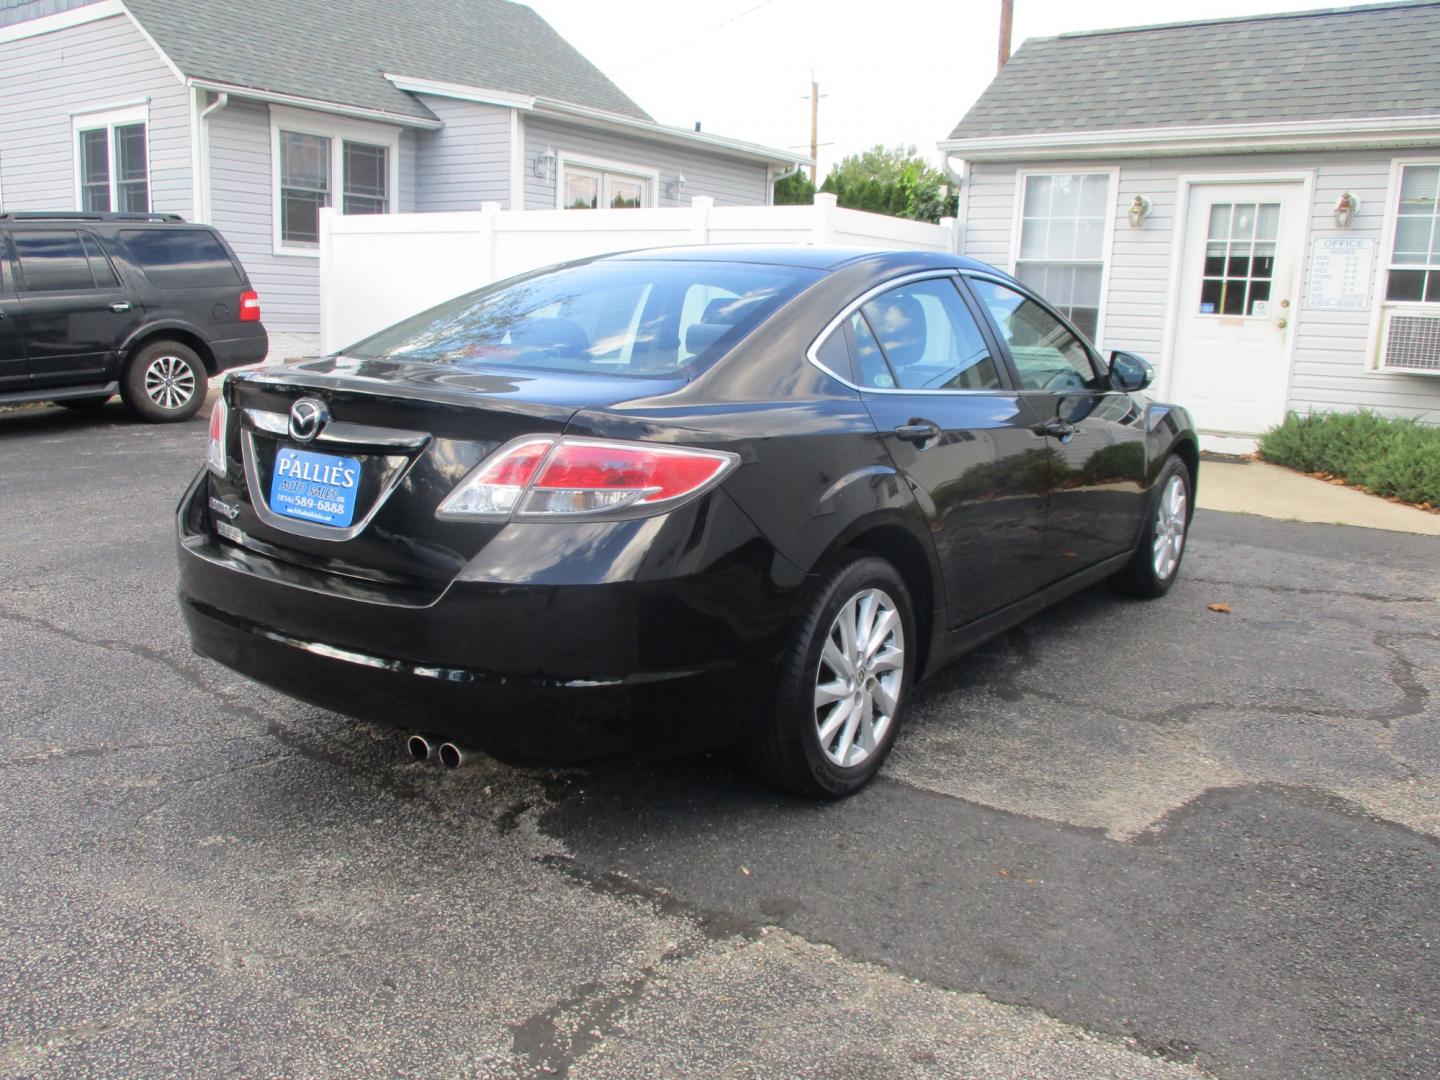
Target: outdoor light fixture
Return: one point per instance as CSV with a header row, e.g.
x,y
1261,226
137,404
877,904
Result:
x,y
674,187
1139,211
1345,207
543,163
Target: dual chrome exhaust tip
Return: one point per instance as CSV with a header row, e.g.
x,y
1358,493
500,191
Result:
x,y
451,754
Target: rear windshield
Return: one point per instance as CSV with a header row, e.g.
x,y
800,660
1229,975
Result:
x,y
616,318
181,258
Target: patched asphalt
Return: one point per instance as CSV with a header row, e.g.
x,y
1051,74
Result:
x,y
1126,839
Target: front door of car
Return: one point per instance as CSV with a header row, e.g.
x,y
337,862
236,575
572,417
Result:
x,y
13,368
933,384
1094,435
75,312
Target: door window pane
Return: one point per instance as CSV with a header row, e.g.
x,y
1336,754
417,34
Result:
x,y
304,186
52,262
1062,230
132,184
930,339
95,171
1047,355
1239,259
367,179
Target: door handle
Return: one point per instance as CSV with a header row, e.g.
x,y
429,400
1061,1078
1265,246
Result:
x,y
918,431
120,306
1060,429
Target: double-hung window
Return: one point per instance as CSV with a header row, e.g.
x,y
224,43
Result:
x,y
112,169
316,167
1414,270
1063,223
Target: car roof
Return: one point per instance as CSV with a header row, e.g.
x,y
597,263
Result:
x,y
804,256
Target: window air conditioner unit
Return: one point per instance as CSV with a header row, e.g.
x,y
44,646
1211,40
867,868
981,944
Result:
x,y
1410,342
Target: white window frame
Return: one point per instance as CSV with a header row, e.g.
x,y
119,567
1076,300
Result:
x,y
338,131
110,118
651,177
1017,225
1384,263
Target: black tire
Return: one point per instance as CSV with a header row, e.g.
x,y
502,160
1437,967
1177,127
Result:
x,y
162,373
785,749
1140,576
83,404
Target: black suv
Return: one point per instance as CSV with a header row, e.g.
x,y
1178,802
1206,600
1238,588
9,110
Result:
x,y
144,305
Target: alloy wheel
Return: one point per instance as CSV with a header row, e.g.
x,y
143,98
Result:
x,y
169,382
1170,520
859,678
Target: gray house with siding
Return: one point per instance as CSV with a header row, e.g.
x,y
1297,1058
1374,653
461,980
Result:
x,y
251,118
1251,203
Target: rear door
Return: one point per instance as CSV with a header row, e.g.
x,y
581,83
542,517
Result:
x,y
75,310
933,383
1095,435
14,371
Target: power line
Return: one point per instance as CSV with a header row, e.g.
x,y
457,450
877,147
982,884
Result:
x,y
737,18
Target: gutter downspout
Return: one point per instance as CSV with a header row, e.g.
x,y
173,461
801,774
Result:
x,y
203,211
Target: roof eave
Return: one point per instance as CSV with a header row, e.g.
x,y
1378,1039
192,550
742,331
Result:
x,y
335,108
1333,134
565,110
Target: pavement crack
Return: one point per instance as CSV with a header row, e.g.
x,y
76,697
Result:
x,y
1308,590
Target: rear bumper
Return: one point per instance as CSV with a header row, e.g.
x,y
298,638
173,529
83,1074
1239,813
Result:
x,y
239,351
529,673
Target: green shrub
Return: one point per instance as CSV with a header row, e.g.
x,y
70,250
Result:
x,y
1400,458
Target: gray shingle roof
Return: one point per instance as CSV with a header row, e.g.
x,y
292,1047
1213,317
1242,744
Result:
x,y
338,51
1373,61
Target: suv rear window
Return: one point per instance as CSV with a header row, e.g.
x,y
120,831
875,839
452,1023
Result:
x,y
181,258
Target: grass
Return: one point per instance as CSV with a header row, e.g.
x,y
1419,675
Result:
x,y
1385,456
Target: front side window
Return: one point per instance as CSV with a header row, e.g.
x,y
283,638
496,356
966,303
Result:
x,y
1062,242
113,167
921,337
310,166
1414,272
1047,355
586,188
58,262
659,319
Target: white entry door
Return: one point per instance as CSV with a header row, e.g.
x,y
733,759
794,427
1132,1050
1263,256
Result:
x,y
1239,284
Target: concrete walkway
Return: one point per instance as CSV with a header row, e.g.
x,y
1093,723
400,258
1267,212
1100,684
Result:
x,y
1254,487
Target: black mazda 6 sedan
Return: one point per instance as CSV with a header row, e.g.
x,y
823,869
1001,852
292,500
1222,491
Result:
x,y
677,499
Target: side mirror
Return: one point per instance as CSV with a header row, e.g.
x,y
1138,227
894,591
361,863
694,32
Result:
x,y
1129,372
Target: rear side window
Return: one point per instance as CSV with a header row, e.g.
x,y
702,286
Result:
x,y
53,262
100,268
929,339
181,258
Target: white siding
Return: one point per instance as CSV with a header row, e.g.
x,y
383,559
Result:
x,y
1332,367
729,181
466,162
45,79
242,207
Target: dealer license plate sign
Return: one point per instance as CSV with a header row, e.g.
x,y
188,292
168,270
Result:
x,y
315,487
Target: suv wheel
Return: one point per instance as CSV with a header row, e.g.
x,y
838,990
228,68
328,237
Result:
x,y
165,382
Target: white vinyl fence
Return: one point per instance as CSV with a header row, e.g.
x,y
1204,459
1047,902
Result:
x,y
377,269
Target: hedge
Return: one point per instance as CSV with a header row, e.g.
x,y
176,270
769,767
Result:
x,y
1386,456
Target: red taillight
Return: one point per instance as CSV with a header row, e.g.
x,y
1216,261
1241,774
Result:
x,y
250,306
545,477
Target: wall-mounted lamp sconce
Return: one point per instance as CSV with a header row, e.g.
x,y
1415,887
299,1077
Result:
x,y
543,163
1139,211
674,187
1345,207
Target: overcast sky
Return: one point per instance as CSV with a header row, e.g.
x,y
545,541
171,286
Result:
x,y
894,70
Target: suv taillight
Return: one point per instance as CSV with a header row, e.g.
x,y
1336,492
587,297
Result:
x,y
540,477
250,306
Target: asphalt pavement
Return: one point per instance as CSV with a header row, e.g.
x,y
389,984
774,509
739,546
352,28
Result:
x,y
1126,839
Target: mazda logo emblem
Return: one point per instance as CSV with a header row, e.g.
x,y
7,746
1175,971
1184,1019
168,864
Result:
x,y
307,417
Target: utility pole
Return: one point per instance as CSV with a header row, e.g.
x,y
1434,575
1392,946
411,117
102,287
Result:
x,y
814,124
1007,16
